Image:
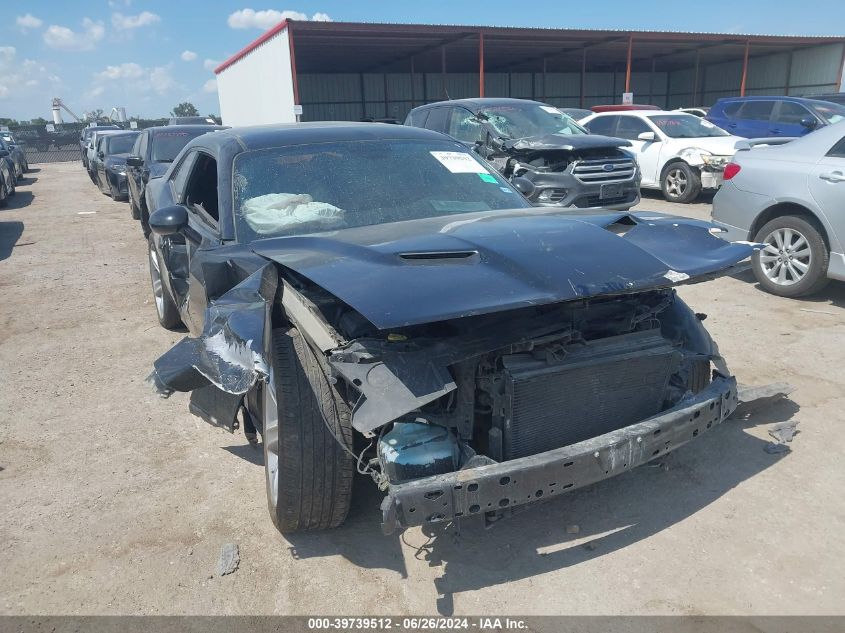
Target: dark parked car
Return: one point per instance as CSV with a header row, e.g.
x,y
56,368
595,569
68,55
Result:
x,y
85,136
378,295
7,178
834,97
110,163
153,151
765,117
576,113
556,161
17,153
8,159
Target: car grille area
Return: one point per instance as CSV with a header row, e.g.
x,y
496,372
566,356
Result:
x,y
591,170
597,387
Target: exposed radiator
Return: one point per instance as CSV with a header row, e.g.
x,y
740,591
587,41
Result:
x,y
598,388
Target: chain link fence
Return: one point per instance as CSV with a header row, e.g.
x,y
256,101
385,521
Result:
x,y
59,143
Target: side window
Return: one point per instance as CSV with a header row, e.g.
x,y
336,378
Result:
x,y
136,146
630,127
838,150
757,110
180,176
731,108
201,193
438,119
603,125
417,118
792,113
465,127
144,141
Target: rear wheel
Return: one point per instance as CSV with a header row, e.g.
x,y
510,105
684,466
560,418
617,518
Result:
x,y
308,473
168,313
680,183
795,259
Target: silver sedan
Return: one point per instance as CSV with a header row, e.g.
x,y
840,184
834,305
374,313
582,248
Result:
x,y
790,196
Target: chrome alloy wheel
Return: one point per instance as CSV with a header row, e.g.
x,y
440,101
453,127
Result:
x,y
270,439
155,275
786,258
676,183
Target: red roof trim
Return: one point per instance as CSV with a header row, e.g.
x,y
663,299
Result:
x,y
281,26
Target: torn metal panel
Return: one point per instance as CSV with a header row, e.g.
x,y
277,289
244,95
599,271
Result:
x,y
519,259
230,352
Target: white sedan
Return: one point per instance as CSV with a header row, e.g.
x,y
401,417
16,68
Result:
x,y
678,153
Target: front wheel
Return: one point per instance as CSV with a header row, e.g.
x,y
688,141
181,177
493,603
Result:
x,y
166,309
304,421
680,183
795,259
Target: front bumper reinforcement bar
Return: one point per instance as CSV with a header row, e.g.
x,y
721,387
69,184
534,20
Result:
x,y
520,481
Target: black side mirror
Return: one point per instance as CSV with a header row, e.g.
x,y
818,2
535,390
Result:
x,y
134,161
523,186
809,122
169,220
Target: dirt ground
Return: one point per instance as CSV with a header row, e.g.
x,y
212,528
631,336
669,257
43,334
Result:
x,y
116,502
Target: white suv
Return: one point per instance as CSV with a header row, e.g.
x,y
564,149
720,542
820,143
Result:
x,y
678,153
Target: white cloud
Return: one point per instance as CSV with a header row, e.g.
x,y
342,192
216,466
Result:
x,y
65,39
134,79
28,21
17,76
119,3
210,86
268,18
210,64
126,22
188,56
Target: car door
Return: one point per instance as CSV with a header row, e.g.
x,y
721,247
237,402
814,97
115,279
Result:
x,y
133,174
630,127
99,161
787,117
827,186
753,119
196,191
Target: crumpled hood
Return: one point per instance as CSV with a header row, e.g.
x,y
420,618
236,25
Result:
x,y
568,142
433,269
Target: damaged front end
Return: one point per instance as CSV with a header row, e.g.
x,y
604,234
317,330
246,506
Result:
x,y
571,171
492,359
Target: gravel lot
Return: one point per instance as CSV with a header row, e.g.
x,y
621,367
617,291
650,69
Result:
x,y
117,502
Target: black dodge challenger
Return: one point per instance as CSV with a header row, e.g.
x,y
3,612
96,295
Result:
x,y
374,298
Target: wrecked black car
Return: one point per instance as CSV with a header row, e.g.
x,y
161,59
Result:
x,y
549,157
374,298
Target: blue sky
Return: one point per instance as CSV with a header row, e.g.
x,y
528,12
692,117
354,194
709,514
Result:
x,y
150,55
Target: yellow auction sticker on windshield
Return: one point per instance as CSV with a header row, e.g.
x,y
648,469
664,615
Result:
x,y
459,163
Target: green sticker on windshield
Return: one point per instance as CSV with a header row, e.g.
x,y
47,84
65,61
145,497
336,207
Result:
x,y
488,178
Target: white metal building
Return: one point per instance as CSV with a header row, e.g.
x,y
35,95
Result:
x,y
351,71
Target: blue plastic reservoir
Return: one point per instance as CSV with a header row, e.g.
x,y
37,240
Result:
x,y
411,450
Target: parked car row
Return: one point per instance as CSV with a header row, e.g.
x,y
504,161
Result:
x,y
121,162
13,166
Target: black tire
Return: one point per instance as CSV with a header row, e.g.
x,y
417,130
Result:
x,y
133,209
687,179
13,189
145,222
814,279
166,309
5,199
308,474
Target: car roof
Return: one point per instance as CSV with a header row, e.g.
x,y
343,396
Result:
x,y
279,135
126,133
186,127
481,102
